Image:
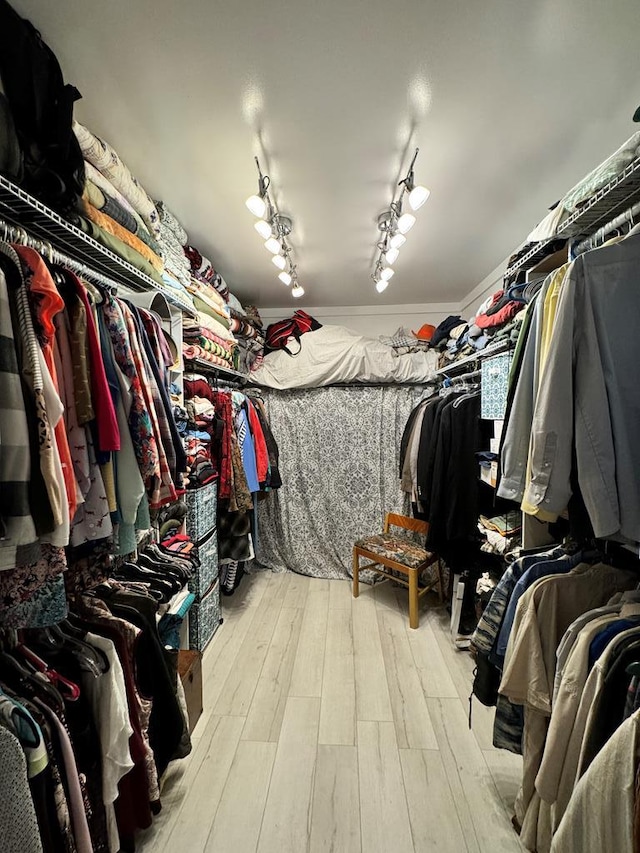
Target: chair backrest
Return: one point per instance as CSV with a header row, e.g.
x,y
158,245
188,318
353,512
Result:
x,y
396,520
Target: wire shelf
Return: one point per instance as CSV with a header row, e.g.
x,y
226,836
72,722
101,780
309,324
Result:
x,y
200,365
491,349
610,201
19,208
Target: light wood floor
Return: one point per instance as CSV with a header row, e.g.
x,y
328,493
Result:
x,y
331,727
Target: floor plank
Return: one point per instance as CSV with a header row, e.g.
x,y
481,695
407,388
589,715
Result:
x,y
238,688
286,822
355,792
506,771
219,657
467,769
411,715
372,691
335,817
264,719
296,594
306,678
434,820
384,816
430,664
340,594
205,791
239,817
338,708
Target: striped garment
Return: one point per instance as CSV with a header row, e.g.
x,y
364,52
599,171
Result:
x,y
19,542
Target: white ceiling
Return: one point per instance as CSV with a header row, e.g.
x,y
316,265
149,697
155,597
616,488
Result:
x,y
510,102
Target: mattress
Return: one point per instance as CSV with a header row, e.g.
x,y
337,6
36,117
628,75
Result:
x,y
334,355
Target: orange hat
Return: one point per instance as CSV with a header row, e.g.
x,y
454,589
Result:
x,y
425,333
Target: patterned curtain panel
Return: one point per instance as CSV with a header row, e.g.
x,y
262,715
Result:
x,y
339,458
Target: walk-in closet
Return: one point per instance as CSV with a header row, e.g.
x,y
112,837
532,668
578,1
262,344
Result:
x,y
319,414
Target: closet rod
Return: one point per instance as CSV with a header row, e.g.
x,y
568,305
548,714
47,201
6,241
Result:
x,y
17,234
627,217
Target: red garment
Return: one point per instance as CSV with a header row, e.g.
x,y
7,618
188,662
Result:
x,y
106,420
489,321
259,444
46,302
222,403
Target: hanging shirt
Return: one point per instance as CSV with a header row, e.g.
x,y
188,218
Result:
x,y
601,812
589,400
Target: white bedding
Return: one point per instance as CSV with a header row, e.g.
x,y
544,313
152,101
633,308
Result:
x,y
334,355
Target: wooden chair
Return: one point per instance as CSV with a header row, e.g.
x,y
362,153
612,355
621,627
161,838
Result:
x,y
399,553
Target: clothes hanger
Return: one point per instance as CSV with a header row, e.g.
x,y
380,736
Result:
x,y
68,689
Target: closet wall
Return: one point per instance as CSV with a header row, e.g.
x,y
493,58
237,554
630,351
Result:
x,y
371,320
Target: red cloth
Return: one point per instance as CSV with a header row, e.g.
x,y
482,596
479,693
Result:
x,y
260,445
46,303
106,420
489,321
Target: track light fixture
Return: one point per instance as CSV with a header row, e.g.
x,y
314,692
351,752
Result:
x,y
394,224
274,228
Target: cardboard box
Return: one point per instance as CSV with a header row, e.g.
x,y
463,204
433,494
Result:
x,y
190,672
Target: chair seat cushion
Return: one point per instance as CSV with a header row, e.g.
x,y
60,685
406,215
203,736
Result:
x,y
394,547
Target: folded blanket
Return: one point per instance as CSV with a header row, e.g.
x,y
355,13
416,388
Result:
x,y
208,322
173,282
112,227
190,352
105,185
243,329
106,160
201,267
101,201
170,221
110,241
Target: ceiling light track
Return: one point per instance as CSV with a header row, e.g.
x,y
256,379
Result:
x,y
394,223
274,228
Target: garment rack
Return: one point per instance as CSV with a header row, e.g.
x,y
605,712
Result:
x,y
16,234
626,218
19,209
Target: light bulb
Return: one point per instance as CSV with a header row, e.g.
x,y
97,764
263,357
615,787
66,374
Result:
x,y
406,222
279,261
273,246
418,196
386,273
285,278
263,228
381,285
297,291
391,256
397,241
256,205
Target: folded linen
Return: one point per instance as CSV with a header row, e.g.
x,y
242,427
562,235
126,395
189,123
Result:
x,y
107,161
112,227
171,222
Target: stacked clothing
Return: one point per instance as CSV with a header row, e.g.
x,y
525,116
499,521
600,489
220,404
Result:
x,y
208,340
248,331
115,209
202,271
499,318
173,238
210,336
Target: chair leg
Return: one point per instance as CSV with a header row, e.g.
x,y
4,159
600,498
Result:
x,y
356,572
414,619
